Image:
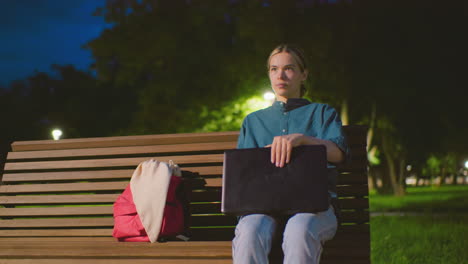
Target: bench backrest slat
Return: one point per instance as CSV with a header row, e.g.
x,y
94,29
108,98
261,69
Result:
x,y
125,141
134,150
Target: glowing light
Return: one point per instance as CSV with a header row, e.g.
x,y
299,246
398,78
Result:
x,y
256,103
56,134
269,96
466,164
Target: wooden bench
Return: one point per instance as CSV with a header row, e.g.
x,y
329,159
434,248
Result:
x,y
56,200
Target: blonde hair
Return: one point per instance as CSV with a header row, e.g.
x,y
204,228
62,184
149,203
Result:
x,y
298,56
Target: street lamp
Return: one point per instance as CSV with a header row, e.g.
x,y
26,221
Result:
x,y
269,96
56,134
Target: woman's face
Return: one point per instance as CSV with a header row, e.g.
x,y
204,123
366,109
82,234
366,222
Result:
x,y
285,76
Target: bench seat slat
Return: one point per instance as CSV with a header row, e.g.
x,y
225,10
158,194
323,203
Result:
x,y
218,233
35,249
352,247
324,260
111,260
108,239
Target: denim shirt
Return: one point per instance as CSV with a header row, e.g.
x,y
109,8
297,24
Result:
x,y
296,116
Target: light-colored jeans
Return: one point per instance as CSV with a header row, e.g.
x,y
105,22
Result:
x,y
302,238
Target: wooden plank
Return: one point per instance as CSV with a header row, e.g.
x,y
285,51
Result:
x,y
57,211
210,171
354,133
105,163
199,220
346,191
352,178
355,217
325,260
198,210
94,175
345,204
57,222
205,234
339,241
210,195
357,165
103,249
58,199
352,190
62,239
95,232
348,179
124,250
196,220
345,259
114,249
64,187
355,203
90,152
210,208
66,176
145,140
111,260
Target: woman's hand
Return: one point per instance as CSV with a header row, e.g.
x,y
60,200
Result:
x,y
281,148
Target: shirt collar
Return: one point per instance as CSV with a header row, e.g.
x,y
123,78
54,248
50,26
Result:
x,y
291,104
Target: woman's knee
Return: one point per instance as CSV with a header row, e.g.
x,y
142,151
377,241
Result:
x,y
255,227
319,227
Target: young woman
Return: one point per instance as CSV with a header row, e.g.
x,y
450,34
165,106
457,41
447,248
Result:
x,y
291,121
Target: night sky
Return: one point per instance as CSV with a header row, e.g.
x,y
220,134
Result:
x,y
37,33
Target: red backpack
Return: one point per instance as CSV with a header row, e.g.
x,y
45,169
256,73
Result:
x,y
127,223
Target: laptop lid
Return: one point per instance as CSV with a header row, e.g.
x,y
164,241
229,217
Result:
x,y
252,184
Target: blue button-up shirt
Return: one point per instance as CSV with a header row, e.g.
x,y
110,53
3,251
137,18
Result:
x,y
297,116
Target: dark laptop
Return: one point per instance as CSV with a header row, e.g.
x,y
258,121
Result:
x,y
252,184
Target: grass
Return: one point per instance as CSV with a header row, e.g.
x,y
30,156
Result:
x,y
439,234
428,199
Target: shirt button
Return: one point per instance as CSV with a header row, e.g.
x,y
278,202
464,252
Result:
x,y
284,130
285,113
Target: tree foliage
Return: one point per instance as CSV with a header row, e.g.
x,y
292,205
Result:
x,y
172,66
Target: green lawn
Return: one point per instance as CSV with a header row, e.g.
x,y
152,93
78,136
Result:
x,y
424,199
438,234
